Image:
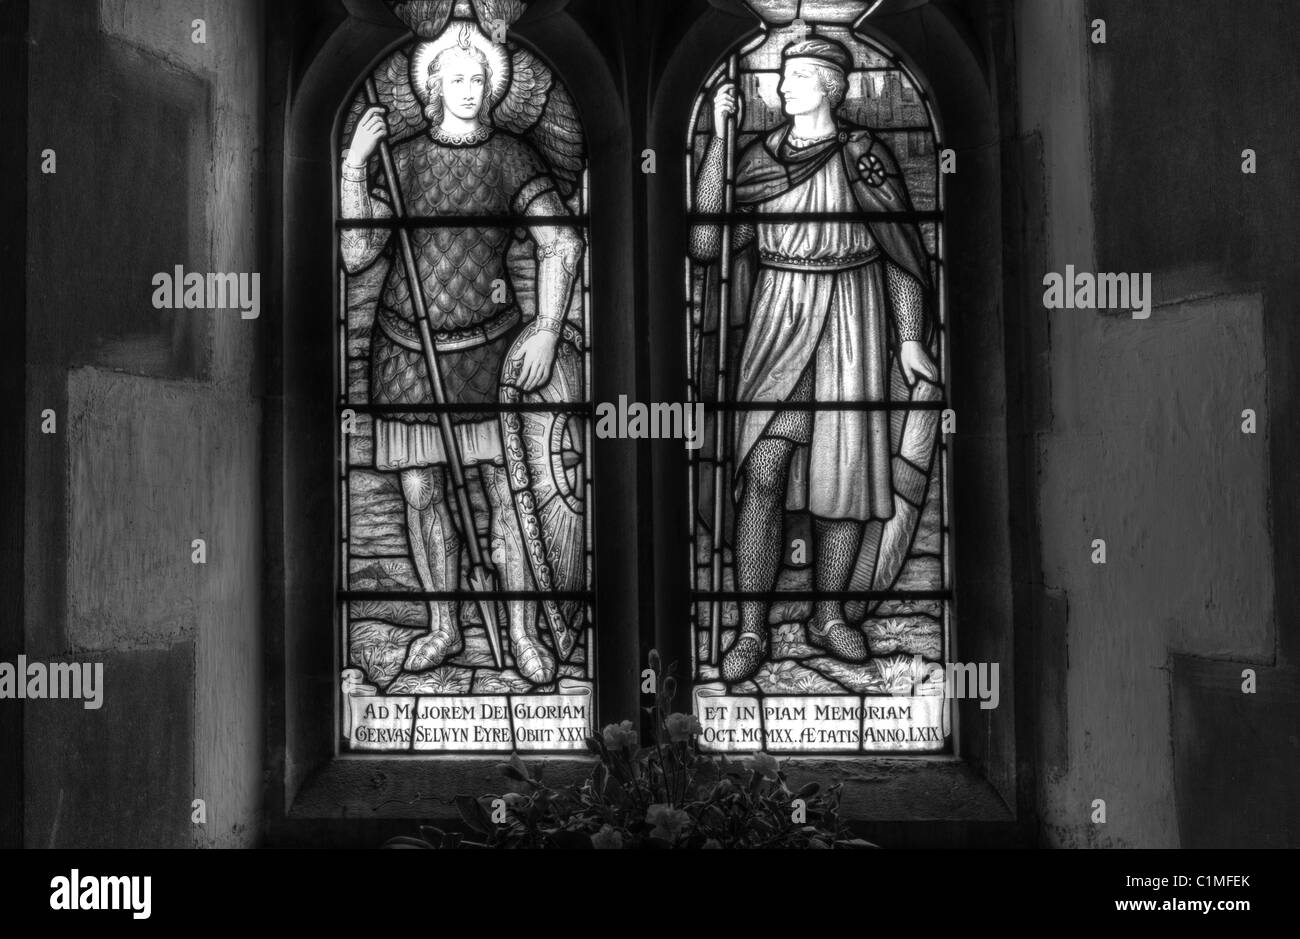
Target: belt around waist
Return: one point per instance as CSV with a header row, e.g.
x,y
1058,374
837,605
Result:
x,y
785,262
405,333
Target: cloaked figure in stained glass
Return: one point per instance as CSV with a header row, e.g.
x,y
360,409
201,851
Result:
x,y
827,300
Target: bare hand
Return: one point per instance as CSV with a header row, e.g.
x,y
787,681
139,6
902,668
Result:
x,y
371,129
532,367
916,363
725,103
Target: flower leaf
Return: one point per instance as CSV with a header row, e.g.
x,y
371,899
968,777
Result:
x,y
518,766
474,815
569,840
511,772
406,841
855,843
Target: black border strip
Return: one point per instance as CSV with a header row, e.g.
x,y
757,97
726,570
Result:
x,y
509,220
14,159
464,595
768,218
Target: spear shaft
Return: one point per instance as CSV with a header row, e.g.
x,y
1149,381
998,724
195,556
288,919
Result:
x,y
720,420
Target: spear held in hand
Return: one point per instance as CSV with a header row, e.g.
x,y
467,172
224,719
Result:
x,y
720,422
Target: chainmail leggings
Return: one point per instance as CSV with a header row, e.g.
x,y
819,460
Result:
x,y
758,543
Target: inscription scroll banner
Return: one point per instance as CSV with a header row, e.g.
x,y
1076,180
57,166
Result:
x,y
468,723
820,723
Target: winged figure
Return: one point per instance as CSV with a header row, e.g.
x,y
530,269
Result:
x,y
468,126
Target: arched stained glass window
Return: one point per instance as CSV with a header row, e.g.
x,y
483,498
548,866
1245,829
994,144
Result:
x,y
464,551
822,618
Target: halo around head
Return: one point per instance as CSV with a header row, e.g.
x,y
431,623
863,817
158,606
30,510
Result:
x,y
459,32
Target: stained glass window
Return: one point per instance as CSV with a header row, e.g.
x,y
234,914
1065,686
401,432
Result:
x,y
822,615
464,540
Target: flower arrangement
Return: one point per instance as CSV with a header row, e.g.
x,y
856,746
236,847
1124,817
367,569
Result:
x,y
666,795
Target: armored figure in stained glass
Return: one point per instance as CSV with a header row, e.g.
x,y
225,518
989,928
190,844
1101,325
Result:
x,y
474,134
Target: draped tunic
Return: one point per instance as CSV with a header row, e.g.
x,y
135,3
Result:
x,y
819,308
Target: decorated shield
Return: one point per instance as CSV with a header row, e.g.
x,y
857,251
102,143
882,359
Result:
x,y
544,459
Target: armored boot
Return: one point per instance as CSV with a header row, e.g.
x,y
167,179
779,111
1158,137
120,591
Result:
x,y
839,639
533,658
435,551
838,541
746,655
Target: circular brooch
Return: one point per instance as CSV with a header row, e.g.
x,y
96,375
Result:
x,y
872,170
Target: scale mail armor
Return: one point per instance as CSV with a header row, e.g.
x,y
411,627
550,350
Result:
x,y
461,267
